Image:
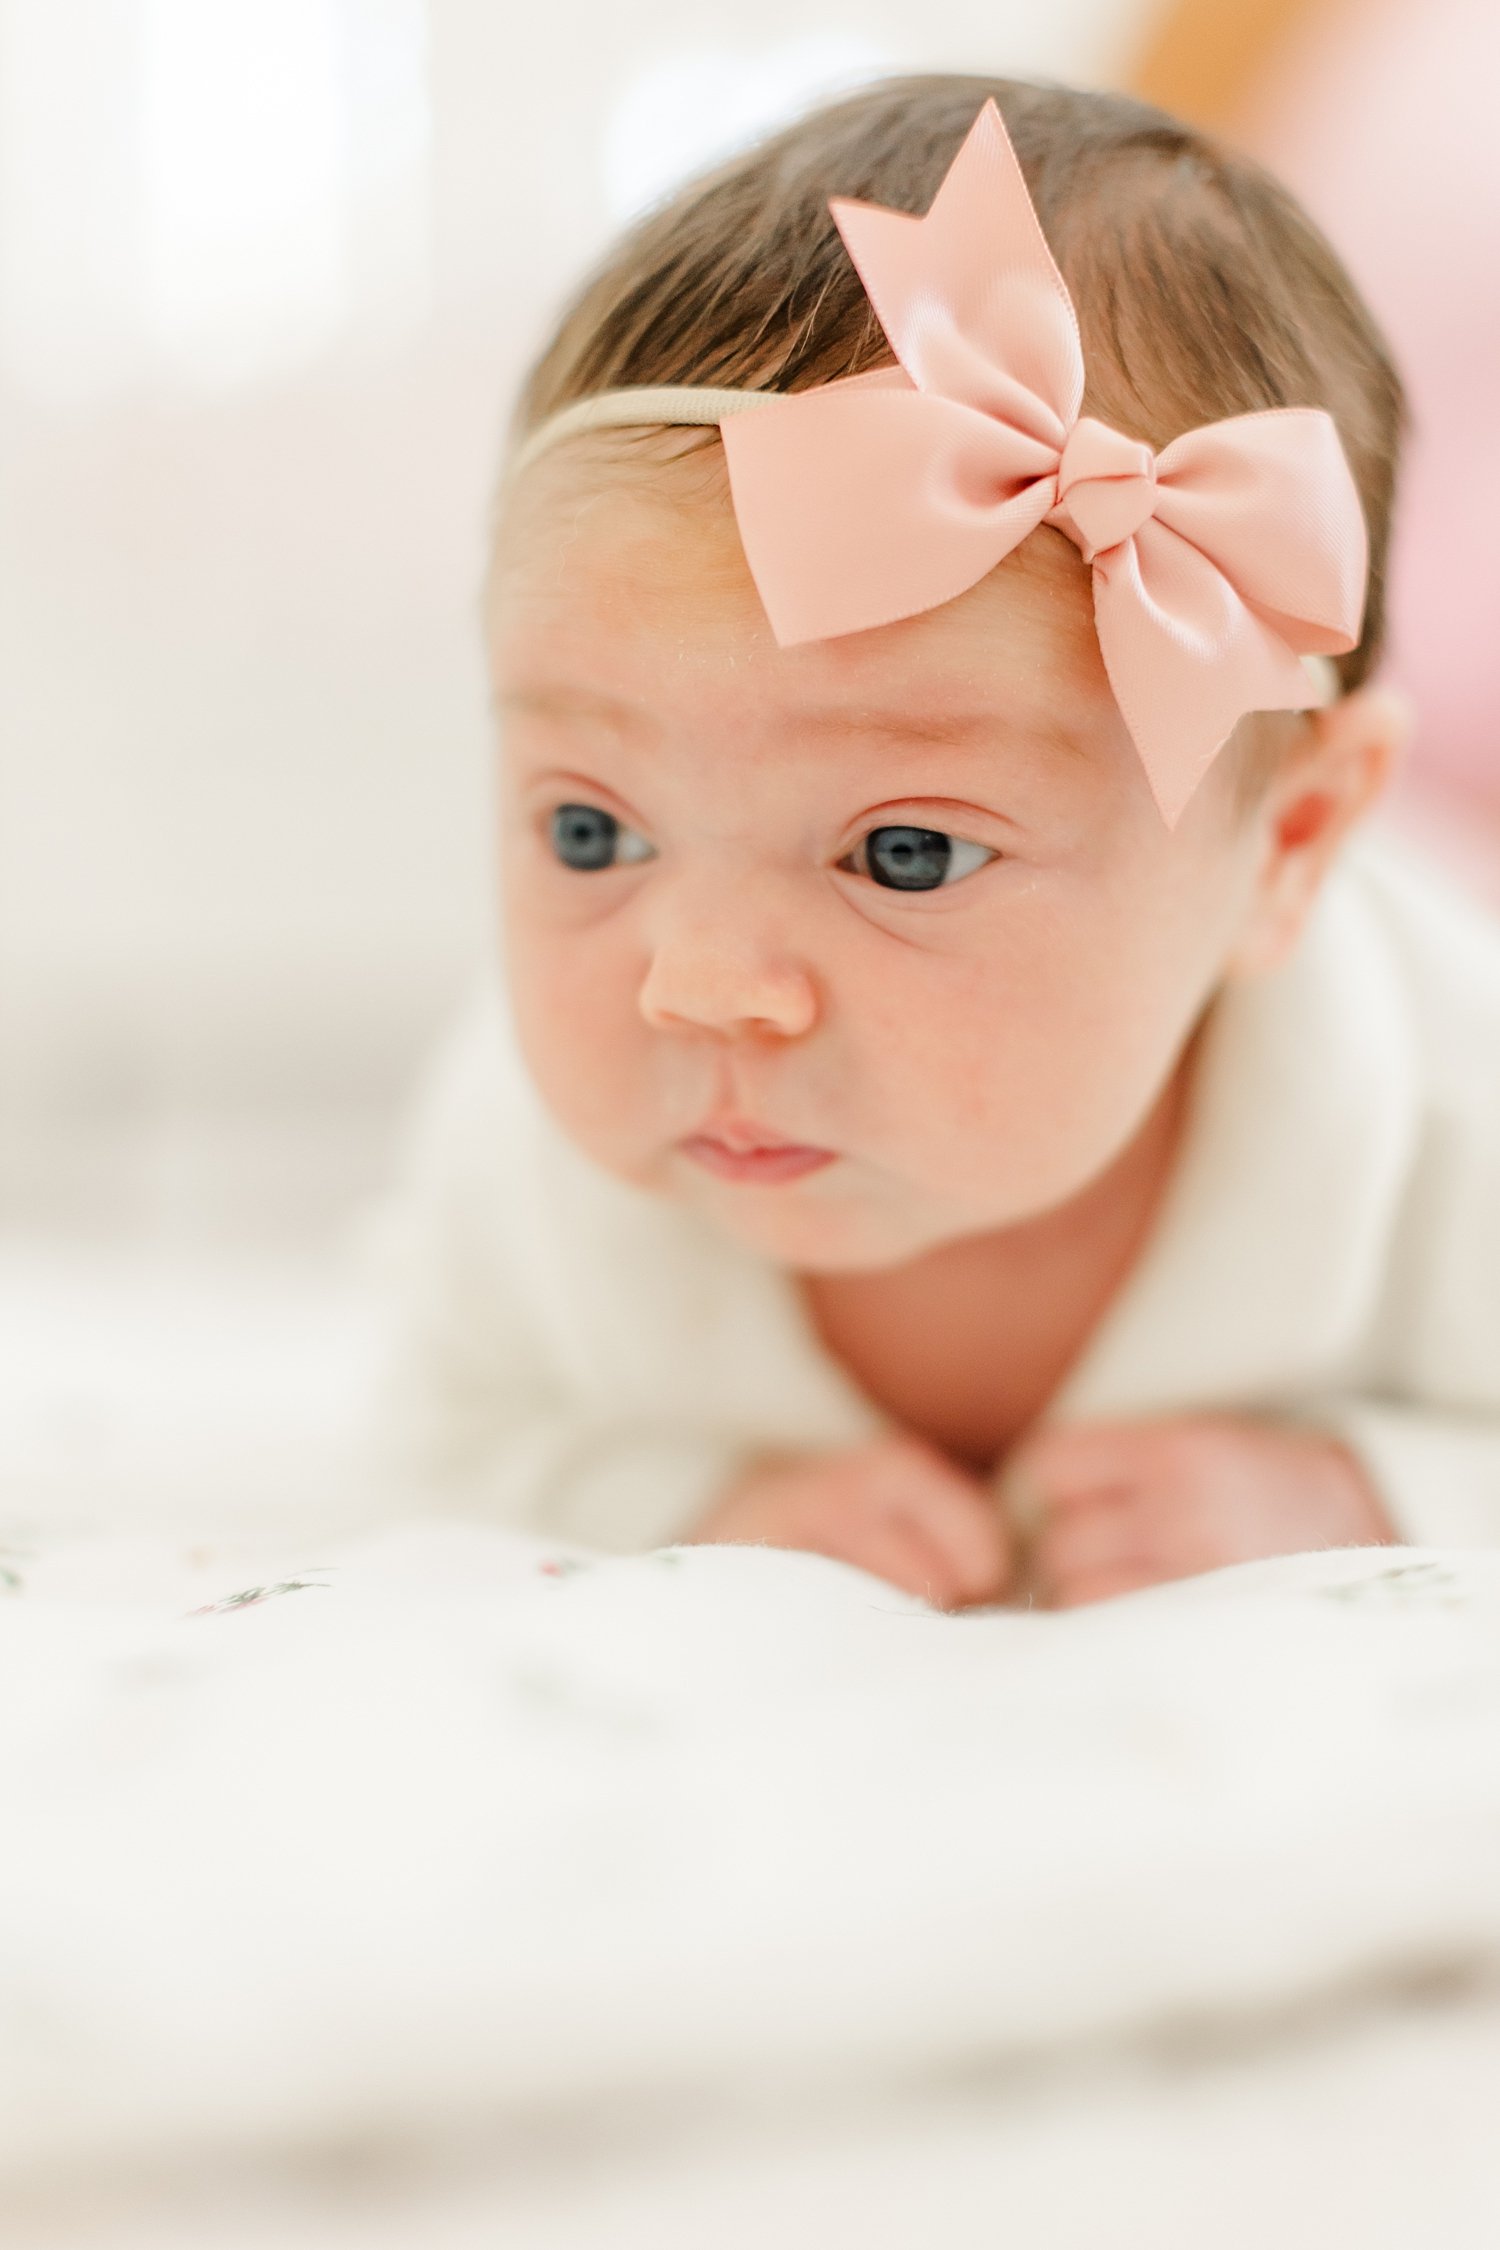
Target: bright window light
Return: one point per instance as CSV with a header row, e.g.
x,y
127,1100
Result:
x,y
690,110
207,191
68,249
244,136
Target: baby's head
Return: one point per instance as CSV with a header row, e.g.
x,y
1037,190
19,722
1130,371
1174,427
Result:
x,y
874,941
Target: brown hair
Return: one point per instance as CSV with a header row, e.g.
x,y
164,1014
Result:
x,y
1202,289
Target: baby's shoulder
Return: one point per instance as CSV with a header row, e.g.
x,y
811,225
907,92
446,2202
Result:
x,y
472,1110
1442,947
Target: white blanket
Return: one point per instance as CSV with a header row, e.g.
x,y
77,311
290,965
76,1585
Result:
x,y
442,1829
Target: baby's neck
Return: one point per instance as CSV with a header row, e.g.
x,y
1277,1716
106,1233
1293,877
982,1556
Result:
x,y
966,1345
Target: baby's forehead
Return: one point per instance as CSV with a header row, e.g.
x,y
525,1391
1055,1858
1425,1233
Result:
x,y
616,506
613,561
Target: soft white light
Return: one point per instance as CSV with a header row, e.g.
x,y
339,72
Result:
x,y
68,278
690,110
207,190
244,135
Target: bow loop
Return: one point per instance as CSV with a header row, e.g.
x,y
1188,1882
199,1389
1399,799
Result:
x,y
969,296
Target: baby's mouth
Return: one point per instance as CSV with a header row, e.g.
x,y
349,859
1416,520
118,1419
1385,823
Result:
x,y
734,1149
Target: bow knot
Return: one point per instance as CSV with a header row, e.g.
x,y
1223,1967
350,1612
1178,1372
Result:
x,y
1217,565
1106,487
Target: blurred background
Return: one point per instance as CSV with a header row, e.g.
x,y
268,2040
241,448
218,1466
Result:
x,y
269,270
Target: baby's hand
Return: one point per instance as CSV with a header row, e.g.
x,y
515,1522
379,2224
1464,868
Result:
x,y
1116,1506
895,1507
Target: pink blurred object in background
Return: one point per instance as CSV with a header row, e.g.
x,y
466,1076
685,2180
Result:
x,y
1380,114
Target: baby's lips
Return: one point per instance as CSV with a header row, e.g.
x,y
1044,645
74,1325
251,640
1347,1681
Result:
x,y
744,1135
764,1164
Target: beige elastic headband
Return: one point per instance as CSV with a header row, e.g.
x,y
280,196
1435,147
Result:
x,y
666,404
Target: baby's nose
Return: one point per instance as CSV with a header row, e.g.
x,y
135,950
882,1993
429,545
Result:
x,y
728,972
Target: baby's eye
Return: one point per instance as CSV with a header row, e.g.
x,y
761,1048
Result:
x,y
587,837
916,859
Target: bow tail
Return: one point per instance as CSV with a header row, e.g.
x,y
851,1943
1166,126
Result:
x,y
861,503
1187,657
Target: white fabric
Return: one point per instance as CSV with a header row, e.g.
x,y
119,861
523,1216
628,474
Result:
x,y
444,1830
579,1357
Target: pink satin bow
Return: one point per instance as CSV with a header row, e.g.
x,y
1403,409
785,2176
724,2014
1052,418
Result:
x,y
1217,563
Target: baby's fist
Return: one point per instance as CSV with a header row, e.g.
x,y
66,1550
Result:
x,y
1116,1506
894,1507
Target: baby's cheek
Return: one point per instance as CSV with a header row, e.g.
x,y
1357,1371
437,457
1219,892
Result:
x,y
583,1039
1010,1081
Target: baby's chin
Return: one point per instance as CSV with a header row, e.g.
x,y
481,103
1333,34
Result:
x,y
822,1224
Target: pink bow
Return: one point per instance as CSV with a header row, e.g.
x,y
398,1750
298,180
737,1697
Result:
x,y
1217,564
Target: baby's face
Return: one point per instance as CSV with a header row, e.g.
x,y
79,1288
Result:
x,y
859,946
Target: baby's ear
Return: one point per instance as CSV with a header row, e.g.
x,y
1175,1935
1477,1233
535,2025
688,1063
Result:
x,y
1322,789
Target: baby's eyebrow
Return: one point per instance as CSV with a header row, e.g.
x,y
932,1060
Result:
x,y
944,729
902,726
575,702
947,729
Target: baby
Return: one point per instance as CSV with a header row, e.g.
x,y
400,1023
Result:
x,y
965,1106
